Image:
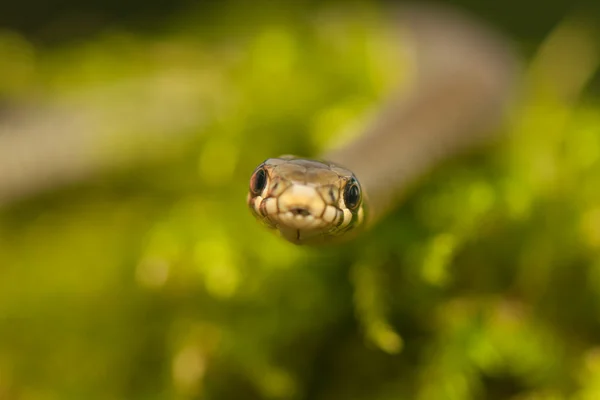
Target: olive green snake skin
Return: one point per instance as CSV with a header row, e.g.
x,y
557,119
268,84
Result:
x,y
464,81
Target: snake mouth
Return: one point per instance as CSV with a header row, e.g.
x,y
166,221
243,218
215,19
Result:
x,y
304,215
301,211
298,219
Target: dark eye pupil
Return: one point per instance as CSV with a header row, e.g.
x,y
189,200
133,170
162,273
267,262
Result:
x,y
352,195
258,182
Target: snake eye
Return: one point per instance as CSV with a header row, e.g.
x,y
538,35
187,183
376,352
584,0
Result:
x,y
258,181
352,194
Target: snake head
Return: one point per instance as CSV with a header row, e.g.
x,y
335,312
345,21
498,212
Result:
x,y
306,201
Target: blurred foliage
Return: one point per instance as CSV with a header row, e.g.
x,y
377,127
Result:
x,y
153,281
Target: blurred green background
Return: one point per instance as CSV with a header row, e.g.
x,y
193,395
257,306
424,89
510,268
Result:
x,y
130,267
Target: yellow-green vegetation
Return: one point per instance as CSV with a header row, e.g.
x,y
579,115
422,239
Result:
x,y
149,279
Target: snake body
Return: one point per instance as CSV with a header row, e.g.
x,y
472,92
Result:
x,y
465,73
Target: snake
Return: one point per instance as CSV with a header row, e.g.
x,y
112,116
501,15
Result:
x,y
463,85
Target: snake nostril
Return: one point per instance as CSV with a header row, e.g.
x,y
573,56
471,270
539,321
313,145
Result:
x,y
300,211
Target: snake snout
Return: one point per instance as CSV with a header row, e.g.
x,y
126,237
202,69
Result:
x,y
300,201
